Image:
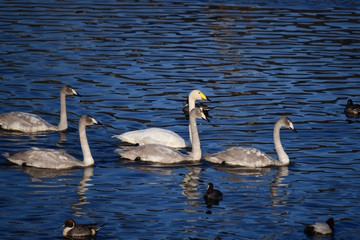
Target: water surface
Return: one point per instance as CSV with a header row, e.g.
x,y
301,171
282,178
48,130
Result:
x,y
134,63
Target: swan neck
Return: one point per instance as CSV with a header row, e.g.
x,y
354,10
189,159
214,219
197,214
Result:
x,y
63,116
191,107
195,141
191,104
282,156
88,159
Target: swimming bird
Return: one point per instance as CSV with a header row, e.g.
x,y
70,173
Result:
x,y
159,135
56,159
352,110
212,195
73,230
164,154
205,108
31,123
320,228
252,157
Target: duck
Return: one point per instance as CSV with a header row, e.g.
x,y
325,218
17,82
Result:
x,y
212,194
159,135
164,154
73,230
31,123
56,159
320,228
352,110
252,157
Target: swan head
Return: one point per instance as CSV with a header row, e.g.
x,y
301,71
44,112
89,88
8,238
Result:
x,y
198,95
88,120
68,90
286,122
198,113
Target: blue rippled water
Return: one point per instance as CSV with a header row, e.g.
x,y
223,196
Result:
x,y
134,63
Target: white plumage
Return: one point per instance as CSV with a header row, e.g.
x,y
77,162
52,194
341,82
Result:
x,y
164,154
158,135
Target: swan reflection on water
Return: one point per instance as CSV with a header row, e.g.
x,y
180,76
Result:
x,y
40,174
280,173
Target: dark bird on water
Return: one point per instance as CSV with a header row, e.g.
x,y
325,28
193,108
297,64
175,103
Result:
x,y
212,195
73,230
352,110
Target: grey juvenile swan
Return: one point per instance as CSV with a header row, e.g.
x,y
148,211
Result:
x,y
252,157
31,123
56,159
164,154
158,135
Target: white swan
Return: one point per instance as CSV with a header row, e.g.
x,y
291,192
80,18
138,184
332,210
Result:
x,y
56,159
159,135
31,123
164,154
252,157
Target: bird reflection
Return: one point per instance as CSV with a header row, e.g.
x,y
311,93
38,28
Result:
x,y
190,184
243,171
276,199
275,185
41,173
88,172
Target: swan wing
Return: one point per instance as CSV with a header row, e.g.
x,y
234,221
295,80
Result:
x,y
44,158
24,122
237,156
153,136
153,153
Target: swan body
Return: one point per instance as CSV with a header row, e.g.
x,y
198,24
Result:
x,y
73,230
31,123
158,135
252,157
56,159
164,154
153,136
320,228
352,110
